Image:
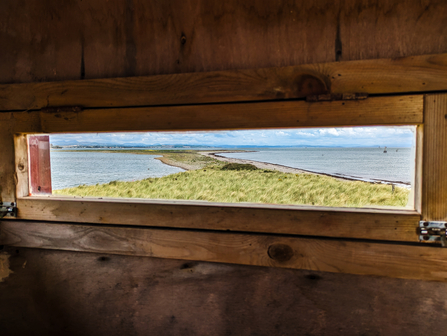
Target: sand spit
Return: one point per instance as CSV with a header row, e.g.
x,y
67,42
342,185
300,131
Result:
x,y
258,164
285,169
269,166
176,163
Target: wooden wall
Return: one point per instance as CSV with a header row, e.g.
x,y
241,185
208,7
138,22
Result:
x,y
73,293
50,40
66,293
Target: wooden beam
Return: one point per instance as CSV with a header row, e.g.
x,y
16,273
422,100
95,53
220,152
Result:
x,y
405,110
329,255
401,75
434,177
393,225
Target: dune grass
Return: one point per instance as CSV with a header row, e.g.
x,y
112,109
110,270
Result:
x,y
258,186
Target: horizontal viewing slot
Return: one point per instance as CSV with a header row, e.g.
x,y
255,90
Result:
x,y
329,167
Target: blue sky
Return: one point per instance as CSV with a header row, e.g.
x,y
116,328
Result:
x,y
347,136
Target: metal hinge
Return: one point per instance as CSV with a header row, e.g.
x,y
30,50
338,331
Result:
x,y
337,96
433,232
8,209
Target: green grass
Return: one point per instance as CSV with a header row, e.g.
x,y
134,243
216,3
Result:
x,y
211,183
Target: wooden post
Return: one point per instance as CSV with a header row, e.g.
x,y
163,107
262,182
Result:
x,y
22,167
7,167
434,174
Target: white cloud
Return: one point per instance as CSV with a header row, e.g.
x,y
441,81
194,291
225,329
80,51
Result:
x,y
347,136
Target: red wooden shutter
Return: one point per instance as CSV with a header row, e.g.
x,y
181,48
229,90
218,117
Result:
x,y
40,167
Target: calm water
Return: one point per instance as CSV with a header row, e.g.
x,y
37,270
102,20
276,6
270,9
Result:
x,y
369,164
69,169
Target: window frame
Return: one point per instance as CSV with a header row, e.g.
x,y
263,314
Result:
x,y
358,241
380,224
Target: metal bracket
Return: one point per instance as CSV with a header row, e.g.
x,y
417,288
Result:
x,y
8,209
433,232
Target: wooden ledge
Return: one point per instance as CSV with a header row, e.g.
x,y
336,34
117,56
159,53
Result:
x,y
329,255
378,224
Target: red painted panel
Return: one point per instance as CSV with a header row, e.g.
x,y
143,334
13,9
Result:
x,y
40,167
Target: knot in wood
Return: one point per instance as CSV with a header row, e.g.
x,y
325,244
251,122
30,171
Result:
x,y
280,252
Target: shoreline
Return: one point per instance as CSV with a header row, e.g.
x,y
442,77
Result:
x,y
286,169
259,164
176,164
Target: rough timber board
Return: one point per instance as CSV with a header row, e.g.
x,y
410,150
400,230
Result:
x,y
120,38
399,110
48,292
434,177
21,165
329,255
397,225
7,159
410,74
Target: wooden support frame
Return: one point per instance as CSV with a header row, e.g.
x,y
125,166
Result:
x,y
379,224
425,73
372,224
329,255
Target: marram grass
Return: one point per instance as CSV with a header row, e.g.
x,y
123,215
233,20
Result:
x,y
256,186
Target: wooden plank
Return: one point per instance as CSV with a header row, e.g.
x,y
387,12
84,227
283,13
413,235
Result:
x,y
393,225
405,110
39,165
7,158
434,178
120,38
175,297
328,255
410,74
416,190
381,28
21,161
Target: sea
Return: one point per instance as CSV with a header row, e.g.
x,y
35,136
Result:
x,y
74,168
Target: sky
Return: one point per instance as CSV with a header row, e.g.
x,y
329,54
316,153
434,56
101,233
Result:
x,y
402,136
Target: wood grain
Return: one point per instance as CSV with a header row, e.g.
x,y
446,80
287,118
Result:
x,y
7,159
405,110
49,289
416,190
119,38
377,29
397,225
400,261
21,165
410,74
434,178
